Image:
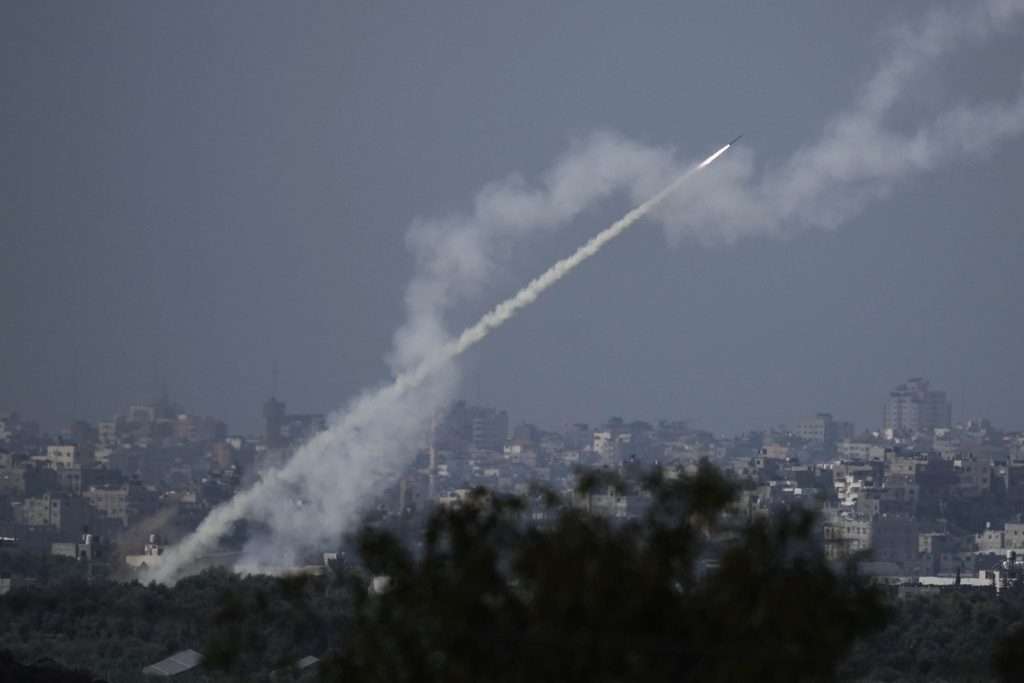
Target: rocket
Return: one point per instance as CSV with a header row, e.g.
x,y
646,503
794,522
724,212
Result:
x,y
714,156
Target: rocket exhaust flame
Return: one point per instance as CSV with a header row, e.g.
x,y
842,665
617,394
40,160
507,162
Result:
x,y
715,155
249,502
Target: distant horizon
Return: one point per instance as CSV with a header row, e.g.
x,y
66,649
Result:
x,y
54,432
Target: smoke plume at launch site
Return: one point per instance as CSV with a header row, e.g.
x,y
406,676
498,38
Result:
x,y
886,136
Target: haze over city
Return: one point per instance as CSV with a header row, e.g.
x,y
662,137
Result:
x,y
195,195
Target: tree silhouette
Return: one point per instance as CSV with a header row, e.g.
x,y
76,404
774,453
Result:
x,y
684,592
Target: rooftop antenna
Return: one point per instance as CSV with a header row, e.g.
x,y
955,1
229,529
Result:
x,y
74,385
963,403
273,380
156,381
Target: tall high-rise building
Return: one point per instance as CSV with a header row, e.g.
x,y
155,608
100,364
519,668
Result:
x,y
273,413
914,407
485,429
285,429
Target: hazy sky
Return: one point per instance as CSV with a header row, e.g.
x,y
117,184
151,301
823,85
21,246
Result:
x,y
222,186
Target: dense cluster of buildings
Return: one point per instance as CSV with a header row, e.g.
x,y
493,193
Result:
x,y
157,469
919,498
924,497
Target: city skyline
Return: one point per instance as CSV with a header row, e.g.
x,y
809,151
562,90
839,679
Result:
x,y
900,412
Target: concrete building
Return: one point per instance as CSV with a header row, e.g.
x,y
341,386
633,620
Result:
x,y
823,429
858,449
67,455
128,503
890,537
77,479
913,407
485,429
89,548
25,479
152,554
61,512
976,474
1013,536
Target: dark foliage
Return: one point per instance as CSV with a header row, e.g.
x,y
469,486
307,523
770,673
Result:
x,y
1008,656
111,629
670,596
41,672
950,637
266,624
43,567
966,513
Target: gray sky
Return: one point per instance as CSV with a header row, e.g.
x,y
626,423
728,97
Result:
x,y
220,186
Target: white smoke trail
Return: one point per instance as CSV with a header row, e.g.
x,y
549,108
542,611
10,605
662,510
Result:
x,y
249,503
862,153
527,295
858,159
